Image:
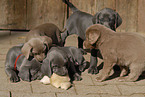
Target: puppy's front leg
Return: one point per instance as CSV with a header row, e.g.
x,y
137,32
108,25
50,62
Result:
x,y
12,74
93,62
104,74
76,75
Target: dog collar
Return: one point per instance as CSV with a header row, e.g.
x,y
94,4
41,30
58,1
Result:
x,y
15,65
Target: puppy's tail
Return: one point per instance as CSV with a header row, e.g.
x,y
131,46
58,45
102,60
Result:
x,y
73,8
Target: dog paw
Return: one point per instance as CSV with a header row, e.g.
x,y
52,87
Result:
x,y
99,79
93,70
126,79
45,80
82,68
77,77
14,78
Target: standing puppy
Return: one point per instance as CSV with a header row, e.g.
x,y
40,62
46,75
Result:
x,y
123,49
40,39
79,21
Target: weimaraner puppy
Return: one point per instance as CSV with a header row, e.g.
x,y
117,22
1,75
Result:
x,y
79,21
17,66
123,49
40,39
63,61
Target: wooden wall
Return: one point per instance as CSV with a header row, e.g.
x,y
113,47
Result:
x,y
26,14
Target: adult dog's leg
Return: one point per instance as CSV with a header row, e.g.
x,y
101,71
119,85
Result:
x,y
93,62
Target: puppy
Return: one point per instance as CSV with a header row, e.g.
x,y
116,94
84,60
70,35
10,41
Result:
x,y
79,21
63,61
123,49
39,40
17,66
57,81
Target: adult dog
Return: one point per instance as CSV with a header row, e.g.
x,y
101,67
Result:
x,y
40,39
123,49
63,61
79,21
17,66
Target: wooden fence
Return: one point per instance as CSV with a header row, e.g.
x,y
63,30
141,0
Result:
x,y
26,14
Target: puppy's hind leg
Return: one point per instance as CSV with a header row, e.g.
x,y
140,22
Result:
x,y
12,74
135,72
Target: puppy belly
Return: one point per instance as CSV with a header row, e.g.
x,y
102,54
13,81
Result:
x,y
45,80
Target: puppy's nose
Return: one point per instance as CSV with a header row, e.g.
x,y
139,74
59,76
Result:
x,y
106,24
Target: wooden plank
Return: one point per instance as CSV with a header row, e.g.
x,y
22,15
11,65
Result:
x,y
19,14
84,5
131,25
110,4
121,8
44,11
99,5
3,14
13,14
141,16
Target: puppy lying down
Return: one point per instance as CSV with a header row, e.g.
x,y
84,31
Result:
x,y
17,66
124,49
57,81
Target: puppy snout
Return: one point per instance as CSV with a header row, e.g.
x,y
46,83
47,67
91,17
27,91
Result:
x,y
40,57
106,24
61,71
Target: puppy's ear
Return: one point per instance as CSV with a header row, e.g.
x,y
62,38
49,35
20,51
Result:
x,y
46,68
26,49
92,35
95,19
47,40
118,20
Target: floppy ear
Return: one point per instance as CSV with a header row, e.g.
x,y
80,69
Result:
x,y
92,35
118,20
26,50
46,68
95,19
47,40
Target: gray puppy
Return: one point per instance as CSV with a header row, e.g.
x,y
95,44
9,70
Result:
x,y
64,61
123,49
40,39
79,21
17,66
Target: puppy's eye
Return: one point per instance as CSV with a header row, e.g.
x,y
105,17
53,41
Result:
x,y
35,53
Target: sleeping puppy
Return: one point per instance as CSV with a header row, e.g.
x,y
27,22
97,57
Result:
x,y
123,49
39,40
17,66
79,21
63,61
